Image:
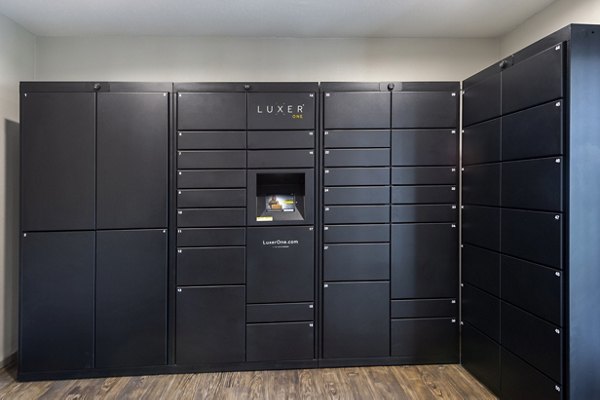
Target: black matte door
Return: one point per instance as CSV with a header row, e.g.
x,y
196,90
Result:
x,y
57,301
281,110
58,144
481,357
209,111
357,110
132,160
424,261
424,109
211,326
131,295
481,101
356,319
424,147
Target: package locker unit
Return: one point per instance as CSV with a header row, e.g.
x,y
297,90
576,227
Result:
x,y
245,223
531,221
94,177
390,222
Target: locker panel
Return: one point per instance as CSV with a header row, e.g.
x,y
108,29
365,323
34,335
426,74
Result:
x,y
211,111
533,184
281,139
356,214
281,159
280,341
424,261
356,262
424,176
280,264
535,132
424,194
520,381
432,339
363,332
481,357
132,160
57,301
534,236
424,213
424,109
481,226
211,266
518,277
357,195
482,100
213,140
424,147
211,237
482,143
281,110
481,184
131,293
211,159
481,268
283,312
58,177
356,110
211,198
211,179
361,138
356,233
533,339
427,308
482,311
534,81
356,176
200,217
357,158
210,325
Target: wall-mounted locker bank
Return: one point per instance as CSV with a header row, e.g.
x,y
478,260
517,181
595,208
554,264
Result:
x,y
226,226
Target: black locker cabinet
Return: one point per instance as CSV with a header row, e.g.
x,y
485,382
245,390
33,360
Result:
x,y
532,220
94,157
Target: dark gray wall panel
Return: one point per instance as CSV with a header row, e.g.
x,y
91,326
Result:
x,y
200,217
58,145
281,159
132,171
424,194
131,293
357,158
356,214
217,159
211,198
424,213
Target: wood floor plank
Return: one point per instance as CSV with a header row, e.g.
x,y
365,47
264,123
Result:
x,y
423,382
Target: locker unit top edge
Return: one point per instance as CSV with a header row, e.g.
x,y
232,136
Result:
x,y
246,87
394,86
94,86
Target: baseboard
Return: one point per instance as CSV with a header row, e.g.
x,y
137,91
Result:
x,y
9,361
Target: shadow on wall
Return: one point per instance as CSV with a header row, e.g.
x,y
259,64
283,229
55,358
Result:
x,y
11,237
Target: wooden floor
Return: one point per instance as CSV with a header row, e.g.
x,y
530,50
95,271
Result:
x,y
405,382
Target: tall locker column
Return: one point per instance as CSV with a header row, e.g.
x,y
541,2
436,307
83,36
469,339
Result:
x,y
356,216
424,216
211,220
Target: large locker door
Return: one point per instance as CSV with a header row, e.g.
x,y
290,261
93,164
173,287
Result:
x,y
356,319
357,110
424,109
57,301
58,161
211,326
207,111
131,295
132,160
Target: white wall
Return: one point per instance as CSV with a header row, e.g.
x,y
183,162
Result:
x,y
17,56
550,19
151,58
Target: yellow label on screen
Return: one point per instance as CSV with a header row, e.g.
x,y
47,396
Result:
x,y
264,219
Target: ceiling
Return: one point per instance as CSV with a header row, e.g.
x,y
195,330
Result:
x,y
273,18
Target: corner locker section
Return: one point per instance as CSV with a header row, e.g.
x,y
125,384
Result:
x,y
245,223
88,150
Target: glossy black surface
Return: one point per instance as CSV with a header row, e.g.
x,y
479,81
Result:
x,y
481,226
424,194
533,184
424,308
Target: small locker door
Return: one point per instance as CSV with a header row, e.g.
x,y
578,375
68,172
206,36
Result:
x,y
57,301
133,133
131,294
424,109
481,99
58,146
208,111
357,110
356,319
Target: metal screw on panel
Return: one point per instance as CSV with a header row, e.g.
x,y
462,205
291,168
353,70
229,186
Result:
x,y
557,274
24,235
246,87
326,228
454,207
462,207
557,331
164,231
462,323
179,251
164,95
311,325
557,104
325,285
453,169
311,152
453,301
453,321
453,225
557,388
310,133
178,230
311,306
326,190
453,94
311,228
25,94
453,188
557,217
180,212
179,173
326,171
557,47
179,95
453,131
557,161
325,247
462,246
179,290
462,285
326,133
180,133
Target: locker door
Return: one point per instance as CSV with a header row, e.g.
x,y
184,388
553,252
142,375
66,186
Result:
x,y
208,111
357,110
281,110
58,148
424,109
132,160
211,326
481,100
57,301
424,147
424,261
356,320
131,296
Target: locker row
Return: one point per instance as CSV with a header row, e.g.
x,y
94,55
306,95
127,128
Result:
x,y
381,176
429,194
223,140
